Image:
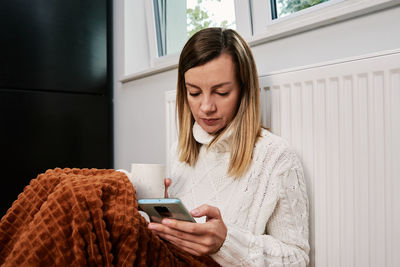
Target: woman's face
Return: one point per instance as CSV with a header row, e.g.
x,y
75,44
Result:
x,y
213,93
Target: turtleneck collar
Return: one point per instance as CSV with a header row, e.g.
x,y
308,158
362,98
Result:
x,y
201,136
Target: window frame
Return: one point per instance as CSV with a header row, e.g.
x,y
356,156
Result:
x,y
274,9
155,60
172,59
265,28
254,22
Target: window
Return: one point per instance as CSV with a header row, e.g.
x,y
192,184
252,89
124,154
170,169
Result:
x,y
210,13
155,48
178,20
281,8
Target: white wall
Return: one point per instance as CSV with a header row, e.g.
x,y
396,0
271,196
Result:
x,y
139,109
133,12
139,119
363,35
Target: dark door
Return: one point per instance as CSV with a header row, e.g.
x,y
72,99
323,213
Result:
x,y
55,89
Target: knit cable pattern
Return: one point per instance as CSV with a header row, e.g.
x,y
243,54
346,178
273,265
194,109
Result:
x,y
265,210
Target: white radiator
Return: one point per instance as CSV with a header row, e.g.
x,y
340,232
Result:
x,y
343,119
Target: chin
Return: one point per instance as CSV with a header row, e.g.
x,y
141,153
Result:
x,y
211,129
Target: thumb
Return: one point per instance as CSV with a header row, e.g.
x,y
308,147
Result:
x,y
206,210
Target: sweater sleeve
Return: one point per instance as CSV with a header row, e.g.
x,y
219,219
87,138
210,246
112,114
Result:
x,y
285,242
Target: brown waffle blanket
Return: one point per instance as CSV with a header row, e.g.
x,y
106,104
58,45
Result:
x,y
82,217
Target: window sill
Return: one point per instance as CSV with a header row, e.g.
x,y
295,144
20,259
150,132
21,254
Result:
x,y
149,72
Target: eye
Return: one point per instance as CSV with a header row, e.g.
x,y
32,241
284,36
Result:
x,y
194,94
223,93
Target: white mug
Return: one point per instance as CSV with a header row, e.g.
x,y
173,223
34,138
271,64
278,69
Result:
x,y
148,180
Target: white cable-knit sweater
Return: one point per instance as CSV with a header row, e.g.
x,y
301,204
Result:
x,y
265,210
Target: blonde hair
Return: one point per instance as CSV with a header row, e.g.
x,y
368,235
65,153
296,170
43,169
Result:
x,y
201,48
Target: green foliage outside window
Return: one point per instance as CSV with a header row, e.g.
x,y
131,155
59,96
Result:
x,y
291,6
198,18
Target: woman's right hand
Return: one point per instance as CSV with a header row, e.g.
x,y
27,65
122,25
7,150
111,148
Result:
x,y
167,183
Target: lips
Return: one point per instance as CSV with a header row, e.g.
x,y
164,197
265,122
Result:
x,y
210,122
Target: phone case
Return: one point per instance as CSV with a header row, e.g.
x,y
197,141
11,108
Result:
x,y
159,208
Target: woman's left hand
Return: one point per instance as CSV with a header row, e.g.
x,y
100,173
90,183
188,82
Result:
x,y
196,238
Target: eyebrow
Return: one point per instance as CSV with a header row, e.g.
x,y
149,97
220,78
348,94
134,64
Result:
x,y
212,87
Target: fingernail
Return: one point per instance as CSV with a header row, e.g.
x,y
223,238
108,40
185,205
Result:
x,y
195,212
166,221
151,226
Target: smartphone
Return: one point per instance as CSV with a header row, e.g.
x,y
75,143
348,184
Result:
x,y
160,208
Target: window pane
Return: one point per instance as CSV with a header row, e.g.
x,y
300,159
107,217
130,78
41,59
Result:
x,y
209,13
178,20
281,8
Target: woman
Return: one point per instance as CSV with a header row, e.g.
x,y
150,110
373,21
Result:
x,y
246,181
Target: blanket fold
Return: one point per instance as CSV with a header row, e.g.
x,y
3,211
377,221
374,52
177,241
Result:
x,y
83,217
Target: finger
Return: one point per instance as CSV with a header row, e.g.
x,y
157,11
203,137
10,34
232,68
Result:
x,y
167,183
201,244
205,242
193,247
154,226
185,227
187,249
193,237
206,210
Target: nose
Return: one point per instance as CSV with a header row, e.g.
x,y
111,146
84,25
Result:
x,y
207,105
